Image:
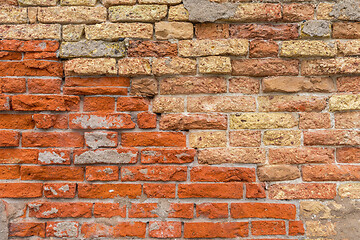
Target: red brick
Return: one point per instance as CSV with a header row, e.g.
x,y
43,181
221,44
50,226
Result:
x,y
151,49
261,49
181,210
346,30
265,67
109,210
212,210
171,155
31,68
348,84
302,191
165,229
102,173
45,121
144,139
9,138
244,85
52,173
9,172
332,137
119,155
95,91
255,190
12,121
10,56
203,190
280,103
4,103
29,46
103,191
45,103
301,155
59,190
60,209
193,121
212,31
154,173
126,104
41,55
146,120
99,104
26,229
28,156
215,229
263,210
245,138
268,228
123,229
348,155
100,121
52,139
159,190
222,174
347,120
296,228
13,85
143,210
331,172
313,120
48,86
62,229
264,31
97,81
297,12
21,190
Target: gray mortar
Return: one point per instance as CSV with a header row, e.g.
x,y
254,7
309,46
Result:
x,y
93,121
98,139
3,222
87,48
348,8
206,11
104,156
317,28
51,157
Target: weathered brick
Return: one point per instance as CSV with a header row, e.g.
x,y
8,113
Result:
x,y
257,12
215,65
59,190
301,155
54,156
332,137
158,190
313,120
46,121
144,87
264,31
126,104
346,30
100,173
296,12
349,48
330,173
46,86
11,14
270,173
347,120
108,3
244,85
9,138
87,48
196,48
93,104
192,85
178,13
207,139
101,121
90,66
221,104
193,121
303,48
30,32
330,66
348,155
280,103
204,190
146,120
302,191
231,155
262,120
106,156
59,209
120,229
37,2
169,155
26,229
268,228
154,173
222,174
141,13
168,104
262,48
172,66
79,14
12,155
165,229
265,67
174,30
62,229
282,137
31,68
114,31
108,210
134,66
139,48
349,190
211,30
316,29
216,229
344,102
255,190
245,138
13,85
298,84
348,84
212,210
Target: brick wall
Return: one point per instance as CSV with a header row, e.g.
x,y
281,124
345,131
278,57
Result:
x,y
174,119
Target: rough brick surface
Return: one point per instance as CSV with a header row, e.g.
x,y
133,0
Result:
x,y
179,119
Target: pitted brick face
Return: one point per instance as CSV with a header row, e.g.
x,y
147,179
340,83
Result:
x,y
179,119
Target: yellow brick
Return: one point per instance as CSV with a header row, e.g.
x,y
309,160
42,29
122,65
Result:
x,y
344,102
208,139
172,66
144,13
176,30
114,31
11,14
282,138
262,121
215,65
168,104
90,66
303,48
178,13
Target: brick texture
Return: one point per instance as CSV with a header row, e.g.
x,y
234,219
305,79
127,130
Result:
x,y
179,119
